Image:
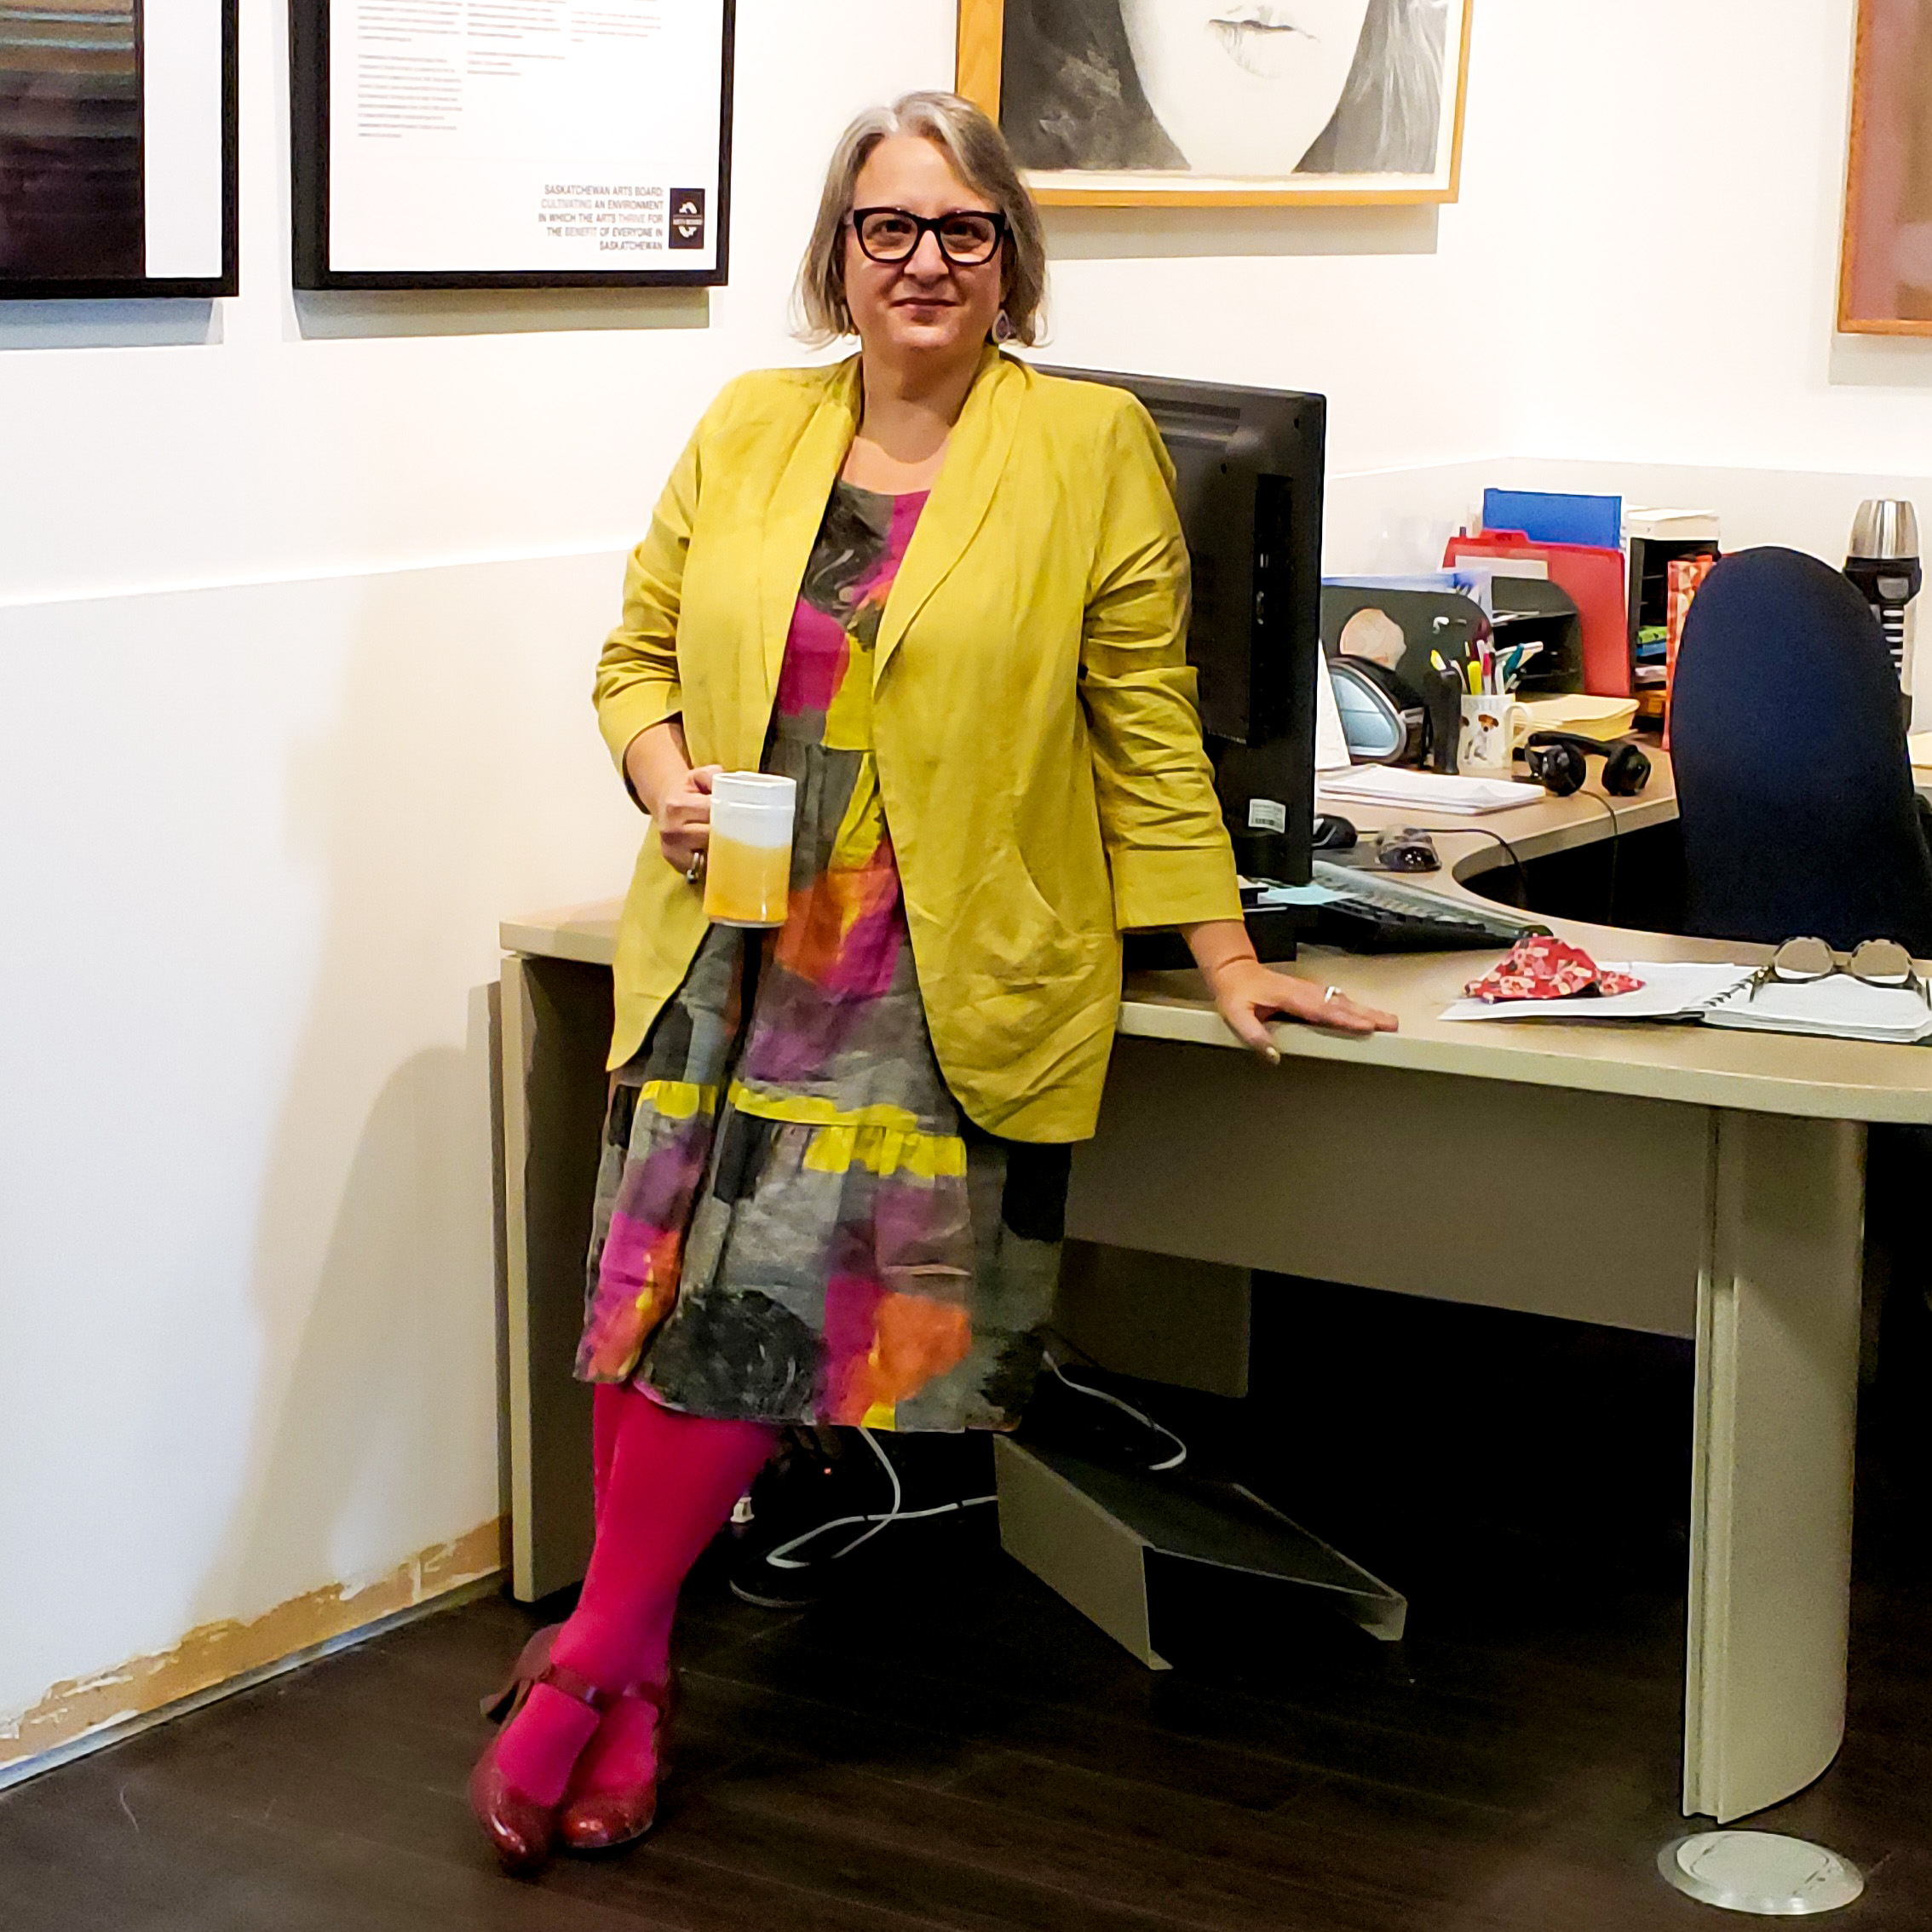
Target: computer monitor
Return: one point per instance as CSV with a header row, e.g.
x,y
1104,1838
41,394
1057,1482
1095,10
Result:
x,y
1249,465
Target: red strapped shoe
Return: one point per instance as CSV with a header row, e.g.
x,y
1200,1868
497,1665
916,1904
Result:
x,y
596,1820
521,1829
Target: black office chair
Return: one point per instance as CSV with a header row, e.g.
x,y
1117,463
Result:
x,y
1794,784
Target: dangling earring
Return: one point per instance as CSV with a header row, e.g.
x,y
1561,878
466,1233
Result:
x,y
1002,329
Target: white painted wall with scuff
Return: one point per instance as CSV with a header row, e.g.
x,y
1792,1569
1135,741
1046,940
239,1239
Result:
x,y
298,599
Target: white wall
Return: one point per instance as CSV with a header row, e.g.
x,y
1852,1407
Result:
x,y
297,604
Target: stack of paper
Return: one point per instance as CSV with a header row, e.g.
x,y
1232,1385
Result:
x,y
1844,1008
1427,791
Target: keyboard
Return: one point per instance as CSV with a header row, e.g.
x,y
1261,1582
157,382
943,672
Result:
x,y
1373,913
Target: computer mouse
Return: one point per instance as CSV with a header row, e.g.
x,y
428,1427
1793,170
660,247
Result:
x,y
1333,833
1409,850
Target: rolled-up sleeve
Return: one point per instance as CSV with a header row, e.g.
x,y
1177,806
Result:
x,y
1166,845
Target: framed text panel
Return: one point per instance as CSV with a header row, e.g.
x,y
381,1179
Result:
x,y
511,143
119,155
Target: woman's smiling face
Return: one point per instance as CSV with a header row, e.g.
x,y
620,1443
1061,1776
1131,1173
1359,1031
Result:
x,y
1244,86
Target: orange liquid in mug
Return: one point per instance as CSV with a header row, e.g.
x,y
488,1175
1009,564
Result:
x,y
746,885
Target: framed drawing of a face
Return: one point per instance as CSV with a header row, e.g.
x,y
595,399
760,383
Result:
x,y
1885,285
1134,102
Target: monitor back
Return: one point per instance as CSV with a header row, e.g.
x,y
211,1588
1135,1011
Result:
x,y
1249,469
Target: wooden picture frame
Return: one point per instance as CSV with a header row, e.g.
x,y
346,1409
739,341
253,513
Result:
x,y
1075,84
1885,271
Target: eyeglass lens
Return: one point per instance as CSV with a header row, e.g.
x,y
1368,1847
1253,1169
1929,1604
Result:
x,y
1804,959
966,237
1880,963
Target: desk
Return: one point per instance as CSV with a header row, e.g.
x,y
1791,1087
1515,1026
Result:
x,y
1743,1153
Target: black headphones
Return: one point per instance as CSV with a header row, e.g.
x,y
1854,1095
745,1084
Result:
x,y
1559,761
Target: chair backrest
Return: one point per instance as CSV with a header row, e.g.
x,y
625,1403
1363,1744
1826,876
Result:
x,y
1794,783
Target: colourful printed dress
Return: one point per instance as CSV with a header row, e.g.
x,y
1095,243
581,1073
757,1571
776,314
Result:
x,y
794,1223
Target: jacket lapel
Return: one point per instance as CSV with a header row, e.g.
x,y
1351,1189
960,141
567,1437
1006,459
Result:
x,y
797,509
975,460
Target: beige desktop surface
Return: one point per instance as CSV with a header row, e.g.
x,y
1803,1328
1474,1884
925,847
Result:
x,y
1702,1066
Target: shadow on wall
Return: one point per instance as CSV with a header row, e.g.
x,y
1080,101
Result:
x,y
1881,362
109,324
374,1428
1161,234
341,313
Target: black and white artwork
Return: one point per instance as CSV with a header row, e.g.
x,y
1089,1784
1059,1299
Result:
x,y
117,148
1306,93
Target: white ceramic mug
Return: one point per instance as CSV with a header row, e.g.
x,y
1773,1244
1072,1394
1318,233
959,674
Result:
x,y
748,865
1493,730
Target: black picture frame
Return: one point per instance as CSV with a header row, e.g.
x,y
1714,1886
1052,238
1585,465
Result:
x,y
165,287
309,73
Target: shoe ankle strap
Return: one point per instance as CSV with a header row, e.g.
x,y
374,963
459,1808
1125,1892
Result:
x,y
574,1684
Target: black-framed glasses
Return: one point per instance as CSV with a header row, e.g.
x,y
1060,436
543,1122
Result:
x,y
1872,962
969,238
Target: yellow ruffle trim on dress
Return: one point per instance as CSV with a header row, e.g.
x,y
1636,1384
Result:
x,y
882,1139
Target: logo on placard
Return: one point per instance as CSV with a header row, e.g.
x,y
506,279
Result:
x,y
687,217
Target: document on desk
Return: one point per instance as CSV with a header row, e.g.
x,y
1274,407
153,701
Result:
x,y
1429,791
1673,989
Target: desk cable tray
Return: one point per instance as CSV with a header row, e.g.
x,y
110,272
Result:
x,y
1092,1533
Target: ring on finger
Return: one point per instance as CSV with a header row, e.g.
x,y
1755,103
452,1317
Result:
x,y
695,870
1333,993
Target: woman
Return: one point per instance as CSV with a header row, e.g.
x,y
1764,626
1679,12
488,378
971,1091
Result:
x,y
947,597
1225,87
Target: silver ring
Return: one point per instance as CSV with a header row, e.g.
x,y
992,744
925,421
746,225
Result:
x,y
695,870
1333,993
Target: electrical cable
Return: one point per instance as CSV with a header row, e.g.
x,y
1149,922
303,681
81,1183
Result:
x,y
1483,831
782,1559
1173,1462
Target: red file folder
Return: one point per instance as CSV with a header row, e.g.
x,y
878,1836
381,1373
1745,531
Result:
x,y
1597,583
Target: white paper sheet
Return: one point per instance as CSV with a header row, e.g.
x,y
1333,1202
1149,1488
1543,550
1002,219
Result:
x,y
1671,990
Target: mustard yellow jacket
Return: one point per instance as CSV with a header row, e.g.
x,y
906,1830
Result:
x,y
1039,751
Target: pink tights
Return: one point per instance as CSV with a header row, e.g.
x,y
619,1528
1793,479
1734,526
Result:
x,y
664,1483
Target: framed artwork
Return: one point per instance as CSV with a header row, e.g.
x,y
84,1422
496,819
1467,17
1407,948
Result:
x,y
1132,103
1885,280
117,149
511,143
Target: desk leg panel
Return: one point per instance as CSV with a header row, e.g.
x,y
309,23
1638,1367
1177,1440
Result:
x,y
555,1033
1771,1525
1590,1207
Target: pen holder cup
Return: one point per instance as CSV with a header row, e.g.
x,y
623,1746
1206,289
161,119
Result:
x,y
748,869
1494,728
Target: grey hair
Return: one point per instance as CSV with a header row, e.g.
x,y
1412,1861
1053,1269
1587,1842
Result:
x,y
978,153
1391,109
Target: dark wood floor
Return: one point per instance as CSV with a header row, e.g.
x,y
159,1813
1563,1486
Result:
x,y
962,1750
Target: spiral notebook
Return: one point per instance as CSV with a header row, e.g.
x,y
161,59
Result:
x,y
1839,1007
1844,1008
